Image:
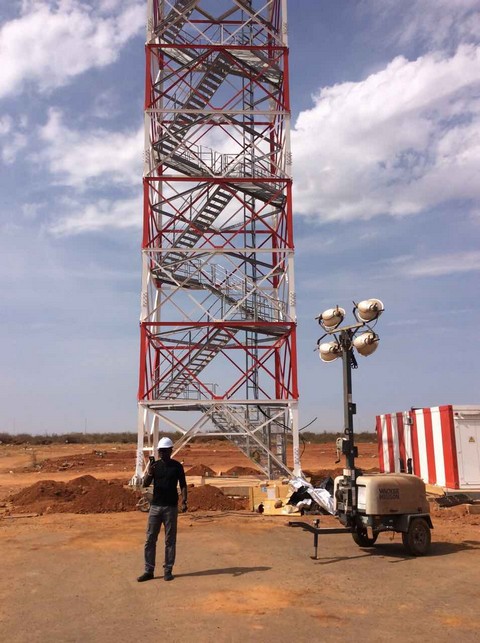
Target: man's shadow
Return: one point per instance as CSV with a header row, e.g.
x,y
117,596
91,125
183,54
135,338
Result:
x,y
232,571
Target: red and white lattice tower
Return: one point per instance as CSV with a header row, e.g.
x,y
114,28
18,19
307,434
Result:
x,y
218,348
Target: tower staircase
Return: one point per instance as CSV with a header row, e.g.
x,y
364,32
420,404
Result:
x,y
252,427
169,31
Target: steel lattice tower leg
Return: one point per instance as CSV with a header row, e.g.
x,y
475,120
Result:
x,y
218,321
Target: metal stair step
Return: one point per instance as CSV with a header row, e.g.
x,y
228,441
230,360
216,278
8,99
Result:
x,y
195,365
177,17
202,221
219,202
214,209
259,63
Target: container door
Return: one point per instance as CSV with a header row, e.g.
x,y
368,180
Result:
x,y
469,450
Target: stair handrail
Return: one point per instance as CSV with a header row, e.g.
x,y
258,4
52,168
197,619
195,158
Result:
x,y
227,284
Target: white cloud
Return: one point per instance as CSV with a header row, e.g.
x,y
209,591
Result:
x,y
106,104
401,141
97,216
441,265
78,158
89,159
439,24
5,125
31,210
52,41
11,147
11,141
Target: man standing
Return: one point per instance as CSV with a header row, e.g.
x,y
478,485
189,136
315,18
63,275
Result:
x,y
166,473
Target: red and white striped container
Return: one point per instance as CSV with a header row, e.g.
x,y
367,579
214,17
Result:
x,y
441,444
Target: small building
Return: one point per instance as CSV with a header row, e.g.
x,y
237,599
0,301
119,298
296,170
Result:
x,y
440,444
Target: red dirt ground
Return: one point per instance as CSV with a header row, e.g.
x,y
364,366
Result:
x,y
22,467
220,456
240,576
87,494
209,498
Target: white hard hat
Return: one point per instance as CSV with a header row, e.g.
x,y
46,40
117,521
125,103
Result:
x,y
165,443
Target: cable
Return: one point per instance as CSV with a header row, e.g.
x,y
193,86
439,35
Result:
x,y
284,425
304,445
208,517
307,425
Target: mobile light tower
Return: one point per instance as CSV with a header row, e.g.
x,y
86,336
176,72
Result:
x,y
346,339
367,505
218,321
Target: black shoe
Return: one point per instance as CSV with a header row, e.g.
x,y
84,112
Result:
x,y
168,576
145,576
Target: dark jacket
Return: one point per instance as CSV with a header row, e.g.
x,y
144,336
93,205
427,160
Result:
x,y
166,476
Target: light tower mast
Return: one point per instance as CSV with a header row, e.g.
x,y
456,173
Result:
x,y
218,347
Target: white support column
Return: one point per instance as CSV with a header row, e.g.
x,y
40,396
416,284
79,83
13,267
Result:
x,y
297,467
139,460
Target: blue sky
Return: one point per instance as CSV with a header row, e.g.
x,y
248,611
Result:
x,y
386,152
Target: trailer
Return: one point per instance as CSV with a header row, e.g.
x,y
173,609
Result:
x,y
439,444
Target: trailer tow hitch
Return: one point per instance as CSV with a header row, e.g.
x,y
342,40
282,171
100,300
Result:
x,y
315,529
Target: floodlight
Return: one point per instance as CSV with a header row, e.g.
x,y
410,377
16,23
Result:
x,y
368,310
332,318
366,343
329,351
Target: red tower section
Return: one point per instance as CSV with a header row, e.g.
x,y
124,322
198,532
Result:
x,y
218,349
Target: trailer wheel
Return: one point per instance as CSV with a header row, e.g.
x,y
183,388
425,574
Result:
x,y
143,504
362,539
417,539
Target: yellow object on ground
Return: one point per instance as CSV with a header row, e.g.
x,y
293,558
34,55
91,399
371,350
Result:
x,y
273,495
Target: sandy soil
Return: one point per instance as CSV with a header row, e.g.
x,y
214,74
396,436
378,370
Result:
x,y
239,576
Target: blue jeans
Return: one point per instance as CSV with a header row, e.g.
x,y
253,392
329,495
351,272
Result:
x,y
157,516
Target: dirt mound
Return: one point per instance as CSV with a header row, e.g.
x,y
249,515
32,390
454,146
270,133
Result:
x,y
84,481
44,490
242,471
209,498
82,495
201,470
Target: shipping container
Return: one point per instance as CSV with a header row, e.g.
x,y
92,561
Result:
x,y
440,444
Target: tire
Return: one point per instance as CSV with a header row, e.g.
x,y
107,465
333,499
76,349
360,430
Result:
x,y
143,504
417,539
362,539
